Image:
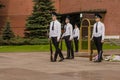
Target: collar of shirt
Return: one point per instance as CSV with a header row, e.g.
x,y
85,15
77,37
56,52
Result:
x,y
76,29
54,21
68,24
98,22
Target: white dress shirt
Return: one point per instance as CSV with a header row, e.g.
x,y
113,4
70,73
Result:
x,y
101,30
57,29
68,31
76,33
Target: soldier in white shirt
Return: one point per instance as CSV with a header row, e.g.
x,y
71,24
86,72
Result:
x,y
68,36
55,34
98,36
76,33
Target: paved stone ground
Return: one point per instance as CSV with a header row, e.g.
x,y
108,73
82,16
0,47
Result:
x,y
36,66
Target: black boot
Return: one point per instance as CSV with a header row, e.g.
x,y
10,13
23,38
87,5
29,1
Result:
x,y
101,55
68,54
53,61
61,59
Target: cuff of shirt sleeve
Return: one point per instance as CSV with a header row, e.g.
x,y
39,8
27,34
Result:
x,y
58,38
71,38
102,38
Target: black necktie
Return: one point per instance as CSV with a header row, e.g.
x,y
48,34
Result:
x,y
96,27
53,26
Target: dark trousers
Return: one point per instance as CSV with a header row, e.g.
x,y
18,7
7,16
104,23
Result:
x,y
97,41
57,50
76,43
70,52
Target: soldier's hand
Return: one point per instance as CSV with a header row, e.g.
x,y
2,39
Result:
x,y
102,41
91,39
70,39
58,40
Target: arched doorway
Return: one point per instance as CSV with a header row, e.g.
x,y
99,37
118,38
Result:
x,y
86,45
85,35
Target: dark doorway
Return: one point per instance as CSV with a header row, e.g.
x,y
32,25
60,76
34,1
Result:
x,y
74,18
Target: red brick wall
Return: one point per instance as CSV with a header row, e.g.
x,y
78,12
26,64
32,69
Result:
x,y
57,5
19,10
3,13
112,16
67,6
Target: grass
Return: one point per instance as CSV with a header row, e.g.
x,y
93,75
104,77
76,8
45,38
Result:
x,y
24,48
42,48
109,46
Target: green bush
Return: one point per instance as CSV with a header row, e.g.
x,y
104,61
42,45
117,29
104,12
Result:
x,y
37,41
17,41
4,42
23,41
7,32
